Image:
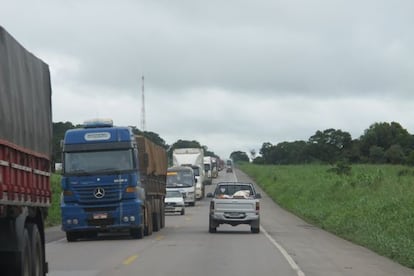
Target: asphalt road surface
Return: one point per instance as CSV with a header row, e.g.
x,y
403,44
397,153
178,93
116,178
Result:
x,y
285,246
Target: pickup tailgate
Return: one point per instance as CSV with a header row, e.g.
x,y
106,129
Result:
x,y
235,205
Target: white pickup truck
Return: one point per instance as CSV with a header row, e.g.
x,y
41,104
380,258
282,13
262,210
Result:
x,y
234,203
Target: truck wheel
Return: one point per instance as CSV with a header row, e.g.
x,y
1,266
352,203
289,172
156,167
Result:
x,y
162,216
23,260
137,233
255,227
212,227
148,221
255,230
156,222
71,236
37,250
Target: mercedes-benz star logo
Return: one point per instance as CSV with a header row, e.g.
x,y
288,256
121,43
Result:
x,y
99,192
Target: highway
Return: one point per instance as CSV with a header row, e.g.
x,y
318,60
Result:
x,y
286,246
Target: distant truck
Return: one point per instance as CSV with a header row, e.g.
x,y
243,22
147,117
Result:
x,y
182,179
25,158
214,167
229,165
194,158
112,180
207,170
207,166
234,203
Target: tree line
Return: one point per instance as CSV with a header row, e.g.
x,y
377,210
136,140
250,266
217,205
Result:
x,y
381,143
60,128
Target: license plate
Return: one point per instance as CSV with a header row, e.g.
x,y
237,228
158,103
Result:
x,y
100,216
234,214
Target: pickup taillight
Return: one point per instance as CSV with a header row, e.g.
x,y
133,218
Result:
x,y
211,206
257,207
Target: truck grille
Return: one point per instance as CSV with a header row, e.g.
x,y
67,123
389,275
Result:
x,y
101,222
86,193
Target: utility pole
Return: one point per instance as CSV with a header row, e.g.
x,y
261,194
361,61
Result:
x,y
143,106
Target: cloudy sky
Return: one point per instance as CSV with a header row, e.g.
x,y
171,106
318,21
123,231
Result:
x,y
229,74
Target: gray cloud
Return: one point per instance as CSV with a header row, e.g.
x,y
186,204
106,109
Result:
x,y
252,71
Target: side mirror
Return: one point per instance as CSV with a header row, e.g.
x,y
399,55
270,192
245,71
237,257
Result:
x,y
210,195
258,195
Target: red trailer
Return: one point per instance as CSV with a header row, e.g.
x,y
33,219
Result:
x,y
25,150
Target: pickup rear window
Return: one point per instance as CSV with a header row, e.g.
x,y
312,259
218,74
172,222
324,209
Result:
x,y
230,190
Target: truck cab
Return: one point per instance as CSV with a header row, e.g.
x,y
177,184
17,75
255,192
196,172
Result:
x,y
101,185
181,178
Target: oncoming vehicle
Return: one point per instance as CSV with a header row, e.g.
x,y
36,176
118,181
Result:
x,y
182,179
174,202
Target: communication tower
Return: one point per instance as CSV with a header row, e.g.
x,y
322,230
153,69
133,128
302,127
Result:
x,y
143,106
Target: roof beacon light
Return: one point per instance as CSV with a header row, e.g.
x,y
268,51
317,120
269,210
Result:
x,y
94,123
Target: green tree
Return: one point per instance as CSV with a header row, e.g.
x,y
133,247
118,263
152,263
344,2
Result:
x,y
181,144
410,158
376,154
152,136
266,152
385,135
260,161
395,154
290,153
329,145
239,156
59,130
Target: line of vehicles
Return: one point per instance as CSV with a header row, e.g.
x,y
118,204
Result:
x,y
112,179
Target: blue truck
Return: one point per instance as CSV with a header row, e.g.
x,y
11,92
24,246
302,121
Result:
x,y
112,180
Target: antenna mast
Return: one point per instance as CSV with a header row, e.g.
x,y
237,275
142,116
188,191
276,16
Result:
x,y
143,106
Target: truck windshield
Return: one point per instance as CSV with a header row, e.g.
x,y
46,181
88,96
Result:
x,y
98,161
180,179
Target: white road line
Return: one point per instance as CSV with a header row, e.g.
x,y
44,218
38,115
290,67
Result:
x,y
290,260
57,241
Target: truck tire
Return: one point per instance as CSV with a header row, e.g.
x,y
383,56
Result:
x,y
255,226
156,221
148,220
71,236
137,233
22,265
37,251
212,226
162,215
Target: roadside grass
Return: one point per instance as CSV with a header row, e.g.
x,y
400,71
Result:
x,y
372,206
54,217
